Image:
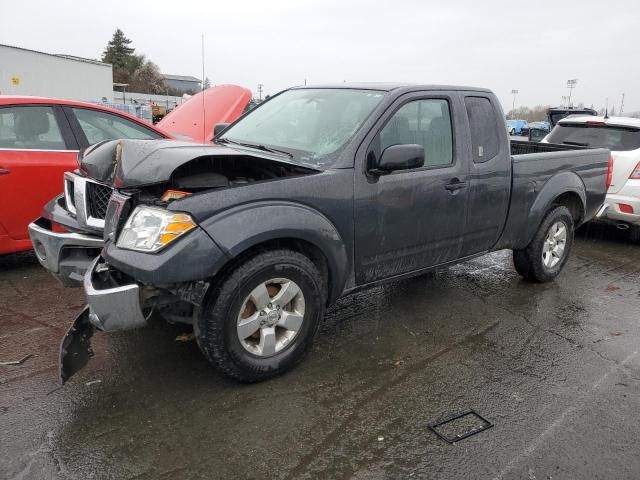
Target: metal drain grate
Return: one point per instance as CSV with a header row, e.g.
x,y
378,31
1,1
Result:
x,y
460,426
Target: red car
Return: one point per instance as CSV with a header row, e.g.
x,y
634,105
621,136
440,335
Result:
x,y
40,139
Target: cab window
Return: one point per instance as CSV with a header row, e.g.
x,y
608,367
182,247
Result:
x,y
484,130
422,122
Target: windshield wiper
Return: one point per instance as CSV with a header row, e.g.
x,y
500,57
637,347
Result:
x,y
264,148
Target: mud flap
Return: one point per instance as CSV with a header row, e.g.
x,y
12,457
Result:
x,y
75,349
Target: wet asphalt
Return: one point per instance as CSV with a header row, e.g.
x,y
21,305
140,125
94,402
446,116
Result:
x,y
554,367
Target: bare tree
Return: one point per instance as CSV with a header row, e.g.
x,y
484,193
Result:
x,y
147,79
535,114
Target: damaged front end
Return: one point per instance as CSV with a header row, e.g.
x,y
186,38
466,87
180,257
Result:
x,y
75,349
117,302
156,258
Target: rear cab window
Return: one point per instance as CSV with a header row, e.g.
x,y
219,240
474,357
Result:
x,y
98,126
596,135
484,129
30,128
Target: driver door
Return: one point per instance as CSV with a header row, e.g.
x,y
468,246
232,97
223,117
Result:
x,y
411,219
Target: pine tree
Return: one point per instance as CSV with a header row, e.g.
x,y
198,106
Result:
x,y
118,52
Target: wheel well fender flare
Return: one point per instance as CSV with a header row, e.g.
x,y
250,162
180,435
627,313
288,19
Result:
x,y
242,227
563,188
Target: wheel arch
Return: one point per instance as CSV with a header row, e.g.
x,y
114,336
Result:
x,y
564,189
246,230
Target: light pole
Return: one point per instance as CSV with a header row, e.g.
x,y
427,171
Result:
x,y
571,84
513,105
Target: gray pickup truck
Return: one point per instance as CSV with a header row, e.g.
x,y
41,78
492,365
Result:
x,y
313,194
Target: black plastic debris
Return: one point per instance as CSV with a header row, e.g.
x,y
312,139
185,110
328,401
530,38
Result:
x,y
460,426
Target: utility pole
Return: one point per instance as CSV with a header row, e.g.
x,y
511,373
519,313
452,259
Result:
x,y
260,85
571,84
621,105
513,105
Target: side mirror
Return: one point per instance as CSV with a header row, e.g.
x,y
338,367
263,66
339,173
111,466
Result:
x,y
219,128
400,157
537,134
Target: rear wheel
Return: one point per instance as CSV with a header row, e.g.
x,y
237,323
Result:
x,y
634,234
262,319
545,256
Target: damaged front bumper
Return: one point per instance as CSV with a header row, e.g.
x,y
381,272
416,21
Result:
x,y
123,287
66,256
111,306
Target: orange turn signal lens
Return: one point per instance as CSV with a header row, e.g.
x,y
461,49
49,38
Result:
x,y
166,238
173,195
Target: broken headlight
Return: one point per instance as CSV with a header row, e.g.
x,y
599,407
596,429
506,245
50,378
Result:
x,y
149,229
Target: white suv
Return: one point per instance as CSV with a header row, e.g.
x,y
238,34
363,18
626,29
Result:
x,y
621,135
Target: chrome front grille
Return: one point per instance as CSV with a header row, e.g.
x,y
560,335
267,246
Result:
x,y
87,200
98,199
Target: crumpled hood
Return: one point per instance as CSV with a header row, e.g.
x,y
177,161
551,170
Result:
x,y
133,163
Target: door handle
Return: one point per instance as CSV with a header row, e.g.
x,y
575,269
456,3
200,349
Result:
x,y
4,171
455,185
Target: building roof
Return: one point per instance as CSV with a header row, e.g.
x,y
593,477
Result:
x,y
66,57
184,78
80,59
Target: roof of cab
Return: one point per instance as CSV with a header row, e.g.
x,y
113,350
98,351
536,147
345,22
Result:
x,y
389,86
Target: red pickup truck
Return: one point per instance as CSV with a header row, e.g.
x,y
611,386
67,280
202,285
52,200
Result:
x,y
40,139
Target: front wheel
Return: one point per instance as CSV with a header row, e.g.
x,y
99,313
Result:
x,y
262,317
545,256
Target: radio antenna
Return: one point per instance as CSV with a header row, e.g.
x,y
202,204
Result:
x,y
204,116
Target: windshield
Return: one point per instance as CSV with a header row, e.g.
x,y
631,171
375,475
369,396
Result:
x,y
618,139
313,125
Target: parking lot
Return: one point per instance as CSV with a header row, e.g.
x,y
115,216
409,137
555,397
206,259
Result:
x,y
554,367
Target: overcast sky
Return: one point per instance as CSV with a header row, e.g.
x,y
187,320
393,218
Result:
x,y
533,47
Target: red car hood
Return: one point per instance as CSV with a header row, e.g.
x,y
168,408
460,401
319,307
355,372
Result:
x,y
222,104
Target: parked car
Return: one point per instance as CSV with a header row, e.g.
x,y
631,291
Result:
x,y
312,194
41,138
39,141
517,127
621,135
554,115
538,130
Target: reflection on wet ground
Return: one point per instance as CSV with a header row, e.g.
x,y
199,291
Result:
x,y
555,367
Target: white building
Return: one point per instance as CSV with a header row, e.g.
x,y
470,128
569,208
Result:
x,y
28,72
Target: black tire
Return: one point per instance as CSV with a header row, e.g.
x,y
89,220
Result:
x,y
634,234
528,261
216,329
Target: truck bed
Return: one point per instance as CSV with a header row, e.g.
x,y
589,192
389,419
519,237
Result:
x,y
522,147
537,169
